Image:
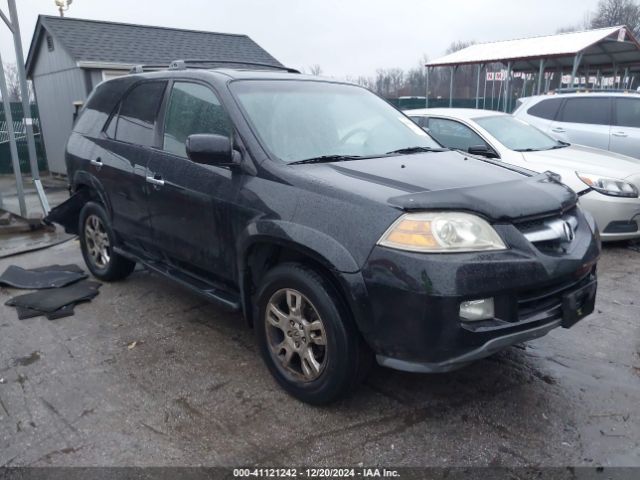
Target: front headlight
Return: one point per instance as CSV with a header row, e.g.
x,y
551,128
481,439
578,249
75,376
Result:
x,y
609,186
442,232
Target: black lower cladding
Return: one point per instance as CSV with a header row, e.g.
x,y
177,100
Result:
x,y
51,276
413,300
54,303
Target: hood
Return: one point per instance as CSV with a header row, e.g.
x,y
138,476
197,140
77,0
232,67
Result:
x,y
577,158
445,180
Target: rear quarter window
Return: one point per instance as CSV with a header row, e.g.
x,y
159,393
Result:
x,y
547,109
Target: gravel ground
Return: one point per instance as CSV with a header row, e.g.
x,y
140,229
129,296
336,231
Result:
x,y
193,390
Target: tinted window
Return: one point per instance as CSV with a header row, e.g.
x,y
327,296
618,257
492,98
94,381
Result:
x,y
454,134
627,112
546,108
192,109
595,111
138,113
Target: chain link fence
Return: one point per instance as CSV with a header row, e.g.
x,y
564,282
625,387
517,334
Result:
x,y
21,140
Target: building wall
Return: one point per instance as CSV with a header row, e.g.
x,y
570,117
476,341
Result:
x,y
57,83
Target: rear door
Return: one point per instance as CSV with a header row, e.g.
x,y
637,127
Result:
x,y
190,204
625,131
128,138
584,121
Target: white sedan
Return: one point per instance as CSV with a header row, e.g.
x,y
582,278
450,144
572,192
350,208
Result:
x,y
608,183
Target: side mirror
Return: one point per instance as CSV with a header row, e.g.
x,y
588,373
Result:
x,y
210,149
483,150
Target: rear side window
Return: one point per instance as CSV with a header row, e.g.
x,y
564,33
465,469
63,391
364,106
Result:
x,y
546,108
138,114
193,108
594,111
627,112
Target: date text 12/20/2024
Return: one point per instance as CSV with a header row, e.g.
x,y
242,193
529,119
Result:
x,y
315,472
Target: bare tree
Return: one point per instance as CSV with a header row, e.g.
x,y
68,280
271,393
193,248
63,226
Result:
x,y
610,13
13,82
315,70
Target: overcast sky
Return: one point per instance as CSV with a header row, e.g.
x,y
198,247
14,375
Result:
x,y
345,37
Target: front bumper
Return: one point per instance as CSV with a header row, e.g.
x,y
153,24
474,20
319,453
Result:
x,y
616,217
413,300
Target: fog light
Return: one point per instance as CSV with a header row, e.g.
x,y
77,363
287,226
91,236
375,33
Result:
x,y
477,309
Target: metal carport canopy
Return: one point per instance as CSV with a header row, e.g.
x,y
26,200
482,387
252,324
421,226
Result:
x,y
607,49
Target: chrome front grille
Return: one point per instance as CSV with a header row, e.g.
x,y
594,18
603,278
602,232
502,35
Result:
x,y
551,234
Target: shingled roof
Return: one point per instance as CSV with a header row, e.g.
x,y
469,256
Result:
x,y
98,42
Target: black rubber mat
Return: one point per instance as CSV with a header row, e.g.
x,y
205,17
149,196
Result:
x,y
66,311
51,300
53,276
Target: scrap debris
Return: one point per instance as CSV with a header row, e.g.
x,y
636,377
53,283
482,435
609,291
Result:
x,y
53,276
60,289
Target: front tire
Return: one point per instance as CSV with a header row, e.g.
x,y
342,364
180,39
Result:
x,y
96,242
307,337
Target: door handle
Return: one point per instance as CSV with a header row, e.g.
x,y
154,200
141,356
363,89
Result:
x,y
97,162
558,130
619,134
156,182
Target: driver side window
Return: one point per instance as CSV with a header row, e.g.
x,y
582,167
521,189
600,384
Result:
x,y
454,134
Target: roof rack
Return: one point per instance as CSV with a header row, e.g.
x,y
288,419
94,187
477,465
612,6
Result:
x,y
184,64
147,68
593,90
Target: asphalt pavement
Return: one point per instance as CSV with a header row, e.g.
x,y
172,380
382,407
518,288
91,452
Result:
x,y
148,374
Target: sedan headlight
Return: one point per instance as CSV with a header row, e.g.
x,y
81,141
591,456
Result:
x,y
609,186
442,232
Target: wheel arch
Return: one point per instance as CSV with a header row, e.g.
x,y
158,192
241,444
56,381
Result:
x,y
266,244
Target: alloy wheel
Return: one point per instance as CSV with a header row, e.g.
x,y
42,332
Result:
x,y
296,335
97,241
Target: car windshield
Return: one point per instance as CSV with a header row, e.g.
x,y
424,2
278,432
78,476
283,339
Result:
x,y
516,134
306,120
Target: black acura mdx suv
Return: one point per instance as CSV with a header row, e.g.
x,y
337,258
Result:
x,y
339,228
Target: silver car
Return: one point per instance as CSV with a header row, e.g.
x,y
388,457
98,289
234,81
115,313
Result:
x,y
606,120
607,182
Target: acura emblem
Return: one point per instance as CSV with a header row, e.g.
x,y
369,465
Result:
x,y
569,234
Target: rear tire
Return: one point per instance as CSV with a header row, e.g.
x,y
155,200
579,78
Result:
x,y
307,337
96,242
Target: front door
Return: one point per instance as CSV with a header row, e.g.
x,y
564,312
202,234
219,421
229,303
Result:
x,y
625,132
190,204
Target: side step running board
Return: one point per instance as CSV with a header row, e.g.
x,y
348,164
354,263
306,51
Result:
x,y
209,291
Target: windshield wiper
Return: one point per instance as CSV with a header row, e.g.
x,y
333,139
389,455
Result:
x,y
410,150
327,159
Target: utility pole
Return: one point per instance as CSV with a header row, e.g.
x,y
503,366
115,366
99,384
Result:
x,y
14,27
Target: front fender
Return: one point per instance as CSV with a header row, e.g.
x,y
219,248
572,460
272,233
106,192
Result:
x,y
318,245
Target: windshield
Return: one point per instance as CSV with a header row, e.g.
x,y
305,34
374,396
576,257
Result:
x,y
301,120
517,135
